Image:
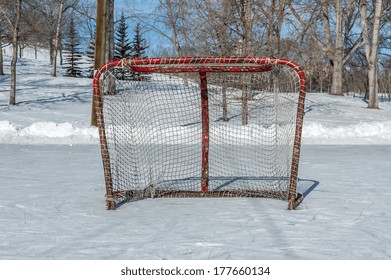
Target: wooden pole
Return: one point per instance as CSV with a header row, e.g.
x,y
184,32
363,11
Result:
x,y
100,45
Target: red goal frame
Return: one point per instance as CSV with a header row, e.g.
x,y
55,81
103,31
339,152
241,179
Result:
x,y
201,65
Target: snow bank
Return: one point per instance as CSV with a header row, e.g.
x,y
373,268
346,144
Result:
x,y
314,132
360,133
47,133
54,130
7,131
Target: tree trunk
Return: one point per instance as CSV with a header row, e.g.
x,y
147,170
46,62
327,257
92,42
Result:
x,y
225,103
245,7
100,42
372,50
51,51
1,60
321,85
245,12
337,78
109,56
372,88
336,86
244,105
276,18
15,35
57,39
174,27
13,73
333,44
110,31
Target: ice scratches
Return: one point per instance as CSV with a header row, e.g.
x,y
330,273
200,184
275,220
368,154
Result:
x,y
208,244
59,206
89,242
168,228
20,206
87,215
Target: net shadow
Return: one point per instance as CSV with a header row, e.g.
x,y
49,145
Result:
x,y
308,186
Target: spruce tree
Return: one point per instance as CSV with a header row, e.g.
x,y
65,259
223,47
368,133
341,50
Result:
x,y
122,46
72,51
139,44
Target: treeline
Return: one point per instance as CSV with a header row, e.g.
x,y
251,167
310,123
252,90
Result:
x,y
343,45
62,27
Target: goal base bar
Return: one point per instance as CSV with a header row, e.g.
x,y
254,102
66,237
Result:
x,y
121,197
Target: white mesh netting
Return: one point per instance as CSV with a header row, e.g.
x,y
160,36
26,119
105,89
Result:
x,y
153,127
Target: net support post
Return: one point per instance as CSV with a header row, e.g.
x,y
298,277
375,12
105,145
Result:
x,y
295,199
98,104
205,132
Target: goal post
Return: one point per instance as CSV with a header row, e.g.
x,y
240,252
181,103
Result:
x,y
200,127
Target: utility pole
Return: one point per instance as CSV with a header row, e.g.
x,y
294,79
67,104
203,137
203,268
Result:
x,y
100,45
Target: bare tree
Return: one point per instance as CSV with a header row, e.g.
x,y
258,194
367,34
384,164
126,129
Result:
x,y
15,33
1,59
52,13
272,15
211,28
229,25
56,38
172,23
2,37
63,7
168,20
371,44
338,42
48,12
245,25
314,62
14,23
245,20
174,12
87,10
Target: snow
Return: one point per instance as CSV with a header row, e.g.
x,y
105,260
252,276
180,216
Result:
x,y
345,121
52,187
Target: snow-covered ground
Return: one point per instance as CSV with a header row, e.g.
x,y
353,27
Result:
x,y
52,187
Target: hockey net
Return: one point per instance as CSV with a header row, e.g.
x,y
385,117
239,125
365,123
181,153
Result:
x,y
200,127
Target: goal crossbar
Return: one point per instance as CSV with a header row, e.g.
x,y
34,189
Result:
x,y
105,87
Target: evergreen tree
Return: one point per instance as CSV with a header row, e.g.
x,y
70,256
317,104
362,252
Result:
x,y
90,53
72,52
139,44
122,45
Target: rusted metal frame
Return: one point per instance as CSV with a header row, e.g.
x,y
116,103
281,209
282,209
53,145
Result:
x,y
198,68
98,101
98,104
205,132
202,60
293,199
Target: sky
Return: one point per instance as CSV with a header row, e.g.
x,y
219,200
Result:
x,y
138,7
